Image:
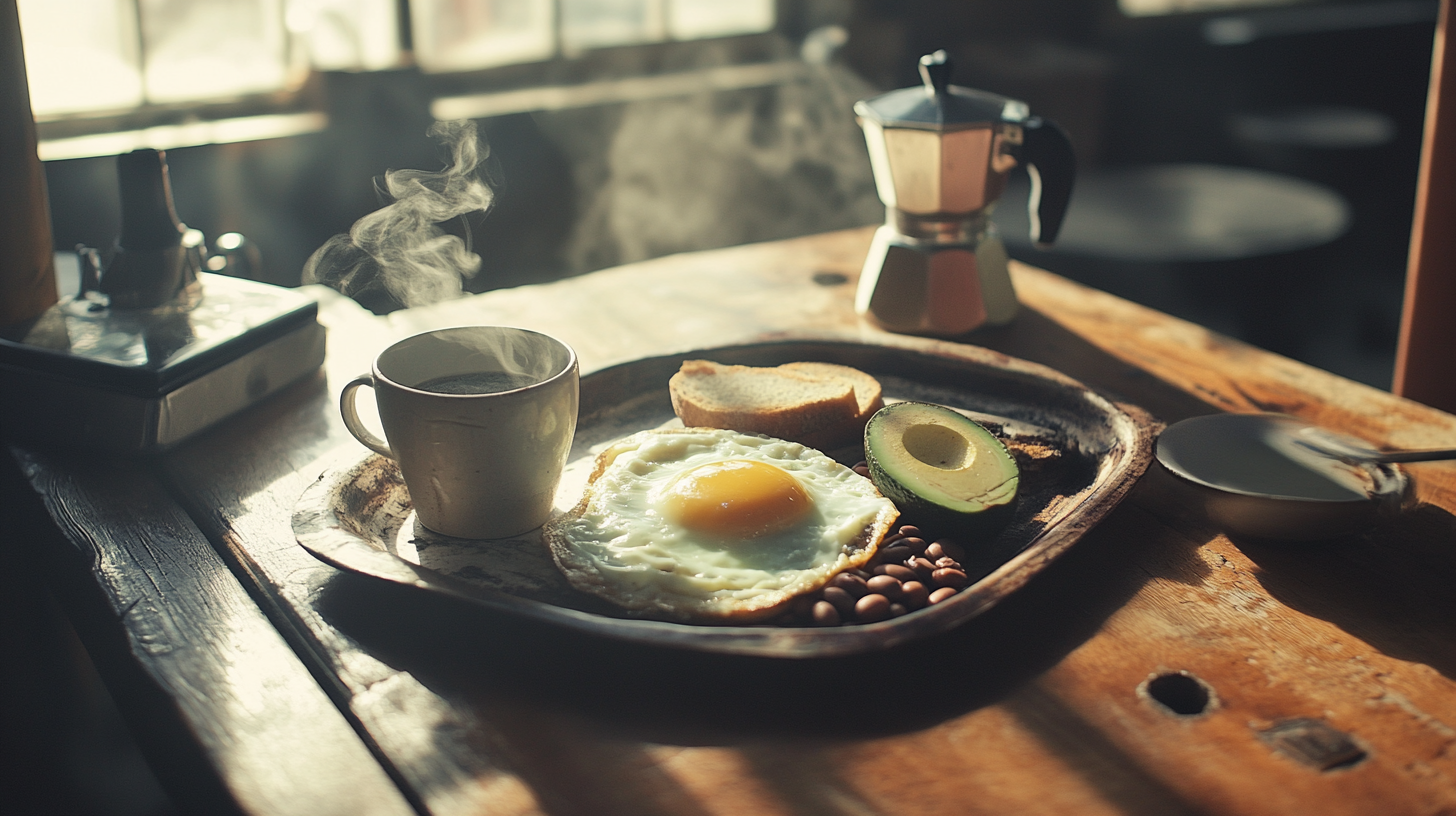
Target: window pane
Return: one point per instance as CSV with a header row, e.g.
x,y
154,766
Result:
x,y
201,49
80,55
697,19
460,35
347,35
598,23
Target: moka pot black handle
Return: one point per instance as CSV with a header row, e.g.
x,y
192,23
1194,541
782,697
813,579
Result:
x,y
1047,153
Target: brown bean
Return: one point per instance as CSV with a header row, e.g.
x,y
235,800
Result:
x,y
896,610
825,614
923,568
949,578
886,585
916,544
802,605
862,573
849,582
872,608
900,571
840,599
941,595
951,549
933,551
914,594
909,530
895,553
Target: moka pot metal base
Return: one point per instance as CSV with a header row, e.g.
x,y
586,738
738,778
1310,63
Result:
x,y
936,287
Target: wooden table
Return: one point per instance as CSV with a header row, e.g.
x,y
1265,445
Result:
x,y
256,676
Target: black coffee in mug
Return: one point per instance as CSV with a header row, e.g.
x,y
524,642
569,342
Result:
x,y
477,382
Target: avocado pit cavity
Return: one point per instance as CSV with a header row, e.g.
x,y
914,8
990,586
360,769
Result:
x,y
939,446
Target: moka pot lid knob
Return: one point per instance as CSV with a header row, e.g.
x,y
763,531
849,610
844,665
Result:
x,y
938,105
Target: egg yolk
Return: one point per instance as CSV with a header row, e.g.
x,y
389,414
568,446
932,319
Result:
x,y
736,499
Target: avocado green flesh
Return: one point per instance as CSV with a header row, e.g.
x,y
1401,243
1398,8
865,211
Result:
x,y
924,456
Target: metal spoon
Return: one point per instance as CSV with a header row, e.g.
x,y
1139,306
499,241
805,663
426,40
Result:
x,y
1350,449
1276,476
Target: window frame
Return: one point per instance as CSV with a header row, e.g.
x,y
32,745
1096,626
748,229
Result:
x,y
300,109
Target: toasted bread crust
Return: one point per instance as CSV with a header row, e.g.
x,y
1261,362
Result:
x,y
867,389
777,402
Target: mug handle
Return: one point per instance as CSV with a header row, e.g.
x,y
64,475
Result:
x,y
351,416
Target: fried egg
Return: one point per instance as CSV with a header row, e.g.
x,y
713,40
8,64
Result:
x,y
710,524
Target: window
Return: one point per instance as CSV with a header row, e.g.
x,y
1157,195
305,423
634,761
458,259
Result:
x,y
82,57
107,76
454,35
88,56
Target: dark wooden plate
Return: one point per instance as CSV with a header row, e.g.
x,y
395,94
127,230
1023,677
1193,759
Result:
x,y
357,515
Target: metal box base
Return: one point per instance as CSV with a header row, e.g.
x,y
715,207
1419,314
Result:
x,y
141,382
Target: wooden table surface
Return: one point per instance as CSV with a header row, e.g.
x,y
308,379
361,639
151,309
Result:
x,y
257,677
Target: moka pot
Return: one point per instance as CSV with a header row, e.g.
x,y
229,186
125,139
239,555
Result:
x,y
941,155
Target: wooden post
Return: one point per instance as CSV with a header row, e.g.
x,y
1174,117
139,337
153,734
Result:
x,y
27,274
1425,362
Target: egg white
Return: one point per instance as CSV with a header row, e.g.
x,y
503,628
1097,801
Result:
x,y
618,544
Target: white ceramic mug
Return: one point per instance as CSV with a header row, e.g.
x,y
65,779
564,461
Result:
x,y
480,420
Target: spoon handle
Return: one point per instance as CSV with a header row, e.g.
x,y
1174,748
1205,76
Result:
x,y
1414,455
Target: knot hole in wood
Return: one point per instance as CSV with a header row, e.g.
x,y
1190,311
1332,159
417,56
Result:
x,y
1178,693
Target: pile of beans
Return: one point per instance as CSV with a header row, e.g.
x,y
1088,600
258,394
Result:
x,y
908,573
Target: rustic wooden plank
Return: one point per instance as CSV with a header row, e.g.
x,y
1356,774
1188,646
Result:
x,y
240,483
679,302
1150,353
1033,708
1242,619
598,728
227,698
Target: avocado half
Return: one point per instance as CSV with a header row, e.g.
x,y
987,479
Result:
x,y
942,470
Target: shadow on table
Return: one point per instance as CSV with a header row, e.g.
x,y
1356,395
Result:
x,y
566,710
1390,587
684,697
1039,338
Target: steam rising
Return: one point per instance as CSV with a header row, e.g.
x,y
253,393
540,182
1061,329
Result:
x,y
510,350
401,246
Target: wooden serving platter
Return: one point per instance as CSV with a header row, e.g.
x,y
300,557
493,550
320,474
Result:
x,y
1089,452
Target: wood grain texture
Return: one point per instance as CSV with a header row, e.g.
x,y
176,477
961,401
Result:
x,y
240,722
1039,706
1178,369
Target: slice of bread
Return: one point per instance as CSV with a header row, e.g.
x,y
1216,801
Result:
x,y
817,404
867,391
